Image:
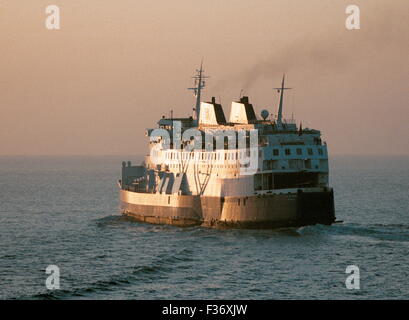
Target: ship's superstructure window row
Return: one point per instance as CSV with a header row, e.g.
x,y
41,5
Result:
x,y
271,181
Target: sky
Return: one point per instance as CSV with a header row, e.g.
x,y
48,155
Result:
x,y
115,67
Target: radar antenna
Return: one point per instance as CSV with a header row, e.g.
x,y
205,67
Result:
x,y
280,106
199,84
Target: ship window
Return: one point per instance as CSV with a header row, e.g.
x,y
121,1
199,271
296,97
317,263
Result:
x,y
238,202
320,151
267,181
310,152
244,201
275,152
267,164
295,180
274,164
293,164
323,164
287,152
257,182
299,151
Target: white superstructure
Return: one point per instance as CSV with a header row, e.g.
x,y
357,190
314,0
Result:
x,y
246,157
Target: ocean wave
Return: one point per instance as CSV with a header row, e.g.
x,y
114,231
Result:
x,y
158,268
384,232
109,220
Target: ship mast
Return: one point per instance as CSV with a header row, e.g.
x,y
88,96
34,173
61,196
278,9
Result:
x,y
197,90
280,105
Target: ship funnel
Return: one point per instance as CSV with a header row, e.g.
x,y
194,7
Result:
x,y
211,113
244,99
242,111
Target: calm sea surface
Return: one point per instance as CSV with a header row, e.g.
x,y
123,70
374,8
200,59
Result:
x,y
64,211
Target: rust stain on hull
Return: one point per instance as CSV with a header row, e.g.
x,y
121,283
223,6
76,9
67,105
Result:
x,y
256,212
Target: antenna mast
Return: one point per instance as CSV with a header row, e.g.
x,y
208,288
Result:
x,y
197,90
280,106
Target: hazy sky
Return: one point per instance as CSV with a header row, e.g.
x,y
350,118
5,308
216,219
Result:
x,y
115,67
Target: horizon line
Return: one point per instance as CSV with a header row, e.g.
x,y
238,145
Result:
x,y
124,154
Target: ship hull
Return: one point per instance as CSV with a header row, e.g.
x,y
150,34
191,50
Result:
x,y
276,210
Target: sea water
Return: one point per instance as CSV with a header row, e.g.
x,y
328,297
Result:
x,y
64,211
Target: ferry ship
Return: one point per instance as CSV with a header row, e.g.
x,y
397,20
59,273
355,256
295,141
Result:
x,y
244,172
